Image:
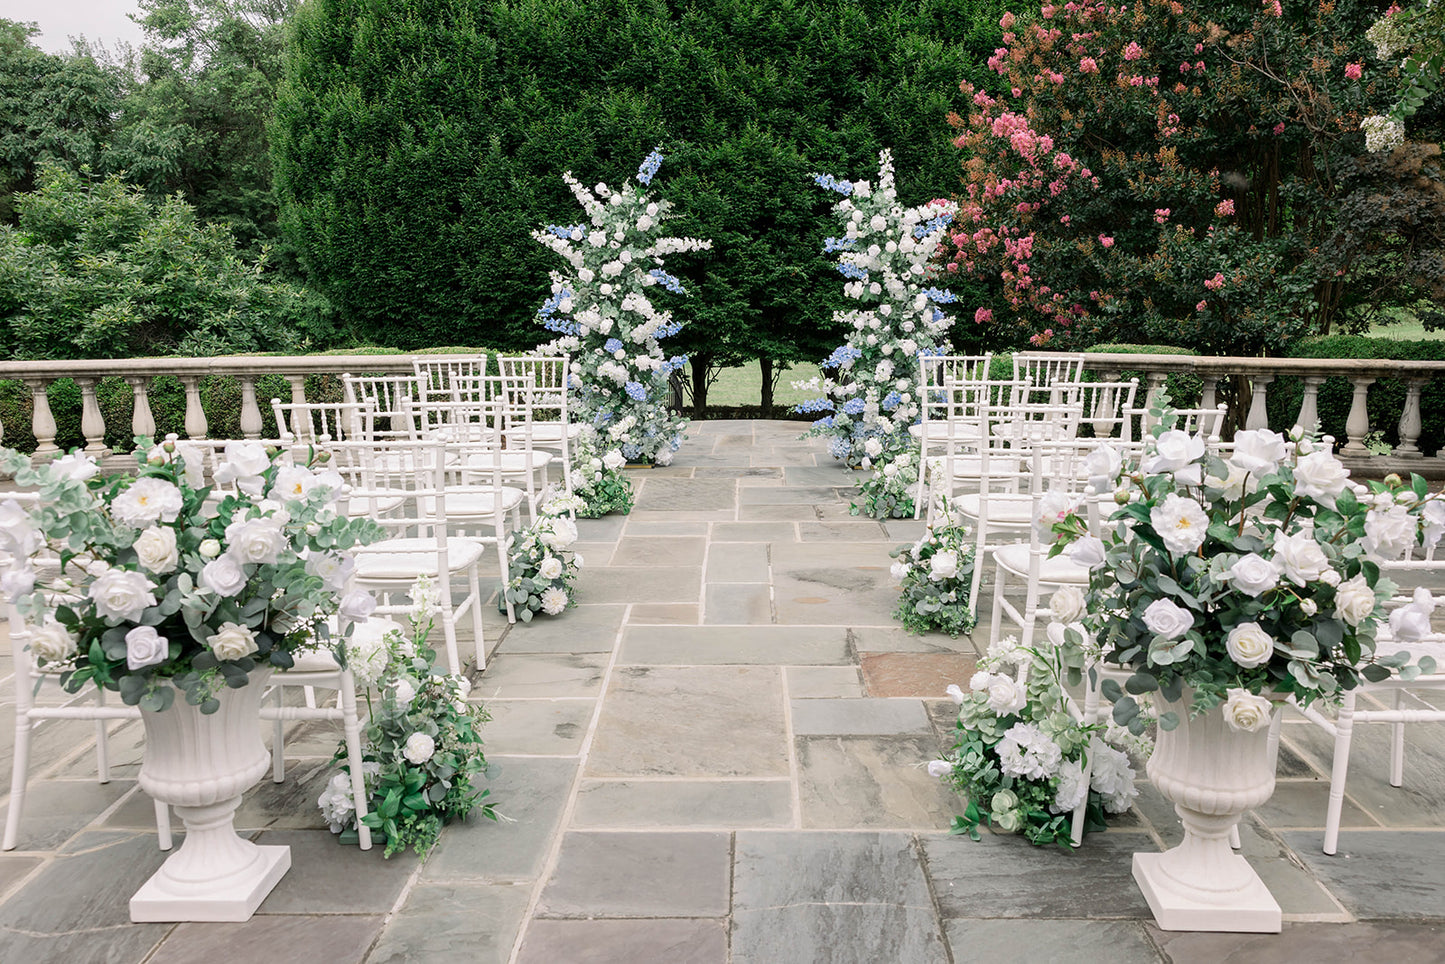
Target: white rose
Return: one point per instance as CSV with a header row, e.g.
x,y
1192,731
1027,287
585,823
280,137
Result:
x,y
1253,575
550,568
1309,607
1180,523
1232,485
52,642
419,748
17,582
1299,557
1102,467
147,500
1005,696
1330,577
256,541
1258,451
1354,600
334,570
1088,551
243,464
223,576
939,768
121,596
557,532
1320,476
1053,507
1067,604
1166,618
156,549
1246,712
403,692
614,460
1391,533
1411,622
209,548
899,570
873,447
232,641
144,647
77,467
356,606
1176,452
193,461
943,565
1249,645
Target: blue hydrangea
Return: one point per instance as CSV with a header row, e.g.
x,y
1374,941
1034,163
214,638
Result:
x,y
612,345
825,422
840,448
668,330
941,296
547,314
936,224
841,356
853,406
890,401
814,405
849,270
649,167
564,230
668,281
831,183
636,392
839,244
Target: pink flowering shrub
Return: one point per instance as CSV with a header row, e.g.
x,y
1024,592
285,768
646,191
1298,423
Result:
x,y
1190,175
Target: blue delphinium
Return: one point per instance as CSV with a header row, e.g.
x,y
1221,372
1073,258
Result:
x,y
649,167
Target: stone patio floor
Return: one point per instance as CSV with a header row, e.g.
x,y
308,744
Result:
x,y
719,755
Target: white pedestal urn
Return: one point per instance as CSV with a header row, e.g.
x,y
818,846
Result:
x,y
1212,773
200,764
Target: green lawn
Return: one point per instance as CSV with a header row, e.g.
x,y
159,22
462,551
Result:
x,y
743,386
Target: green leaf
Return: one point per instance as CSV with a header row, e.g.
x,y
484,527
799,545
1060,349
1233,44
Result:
x,y
1141,682
1169,720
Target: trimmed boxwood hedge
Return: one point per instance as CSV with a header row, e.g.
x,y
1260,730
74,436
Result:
x,y
220,400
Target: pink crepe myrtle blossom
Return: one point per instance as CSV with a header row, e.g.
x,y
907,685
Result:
x,y
1133,51
1273,8
1161,215
1201,306
1106,241
983,316
1353,71
1279,128
1224,208
1216,282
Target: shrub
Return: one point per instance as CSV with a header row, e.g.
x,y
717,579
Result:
x,y
1184,389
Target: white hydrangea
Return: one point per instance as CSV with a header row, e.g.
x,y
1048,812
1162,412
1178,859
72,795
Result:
x,y
1027,751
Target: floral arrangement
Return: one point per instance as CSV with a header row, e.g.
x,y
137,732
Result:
x,y
598,482
1242,577
166,584
888,492
886,254
1022,762
542,563
422,744
602,310
936,573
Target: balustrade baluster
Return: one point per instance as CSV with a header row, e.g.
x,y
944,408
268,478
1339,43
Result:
x,y
92,422
250,411
1309,418
298,397
142,422
1357,426
42,423
1258,402
195,416
1410,419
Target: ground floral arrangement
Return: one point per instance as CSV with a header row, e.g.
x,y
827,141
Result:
x,y
888,492
602,309
935,574
1242,578
1022,762
542,563
598,482
886,252
422,743
165,583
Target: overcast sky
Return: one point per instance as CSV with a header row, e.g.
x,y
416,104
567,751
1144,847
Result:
x,y
103,20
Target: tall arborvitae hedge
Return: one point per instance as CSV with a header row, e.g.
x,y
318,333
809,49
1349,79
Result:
x,y
416,142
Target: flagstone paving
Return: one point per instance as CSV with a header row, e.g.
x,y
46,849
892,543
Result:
x,y
718,756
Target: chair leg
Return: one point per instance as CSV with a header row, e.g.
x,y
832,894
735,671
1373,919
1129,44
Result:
x,y
1397,746
278,741
102,744
1344,732
351,724
19,770
504,563
163,825
998,583
479,639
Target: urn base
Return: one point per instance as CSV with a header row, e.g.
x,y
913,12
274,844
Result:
x,y
1249,909
168,896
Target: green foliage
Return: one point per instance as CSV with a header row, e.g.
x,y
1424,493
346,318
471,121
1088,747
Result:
x,y
1386,398
95,270
1183,389
416,142
1141,173
935,574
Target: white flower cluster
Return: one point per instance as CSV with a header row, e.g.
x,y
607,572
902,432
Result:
x,y
886,252
1382,133
542,563
602,308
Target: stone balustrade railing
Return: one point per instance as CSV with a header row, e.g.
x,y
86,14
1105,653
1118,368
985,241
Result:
x,y
138,373
1259,373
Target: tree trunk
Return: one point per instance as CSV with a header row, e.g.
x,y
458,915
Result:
x,y
766,364
700,366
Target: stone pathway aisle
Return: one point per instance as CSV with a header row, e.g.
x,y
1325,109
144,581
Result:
x,y
718,756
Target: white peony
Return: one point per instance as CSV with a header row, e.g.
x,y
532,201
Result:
x,y
292,482
614,460
1165,617
1247,712
1180,523
550,568
1253,575
1053,507
121,595
1067,604
243,464
232,641
1320,476
223,576
156,549
147,500
899,571
556,532
144,647
1249,645
52,642
1088,551
1432,518
257,541
332,569
1354,600
943,565
1390,533
554,600
419,748
1299,557
403,691
873,447
1258,451
1178,453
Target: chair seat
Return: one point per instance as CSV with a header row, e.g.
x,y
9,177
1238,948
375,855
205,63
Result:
x,y
322,660
942,431
467,505
543,433
971,466
1003,509
403,560
373,504
512,461
1060,570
